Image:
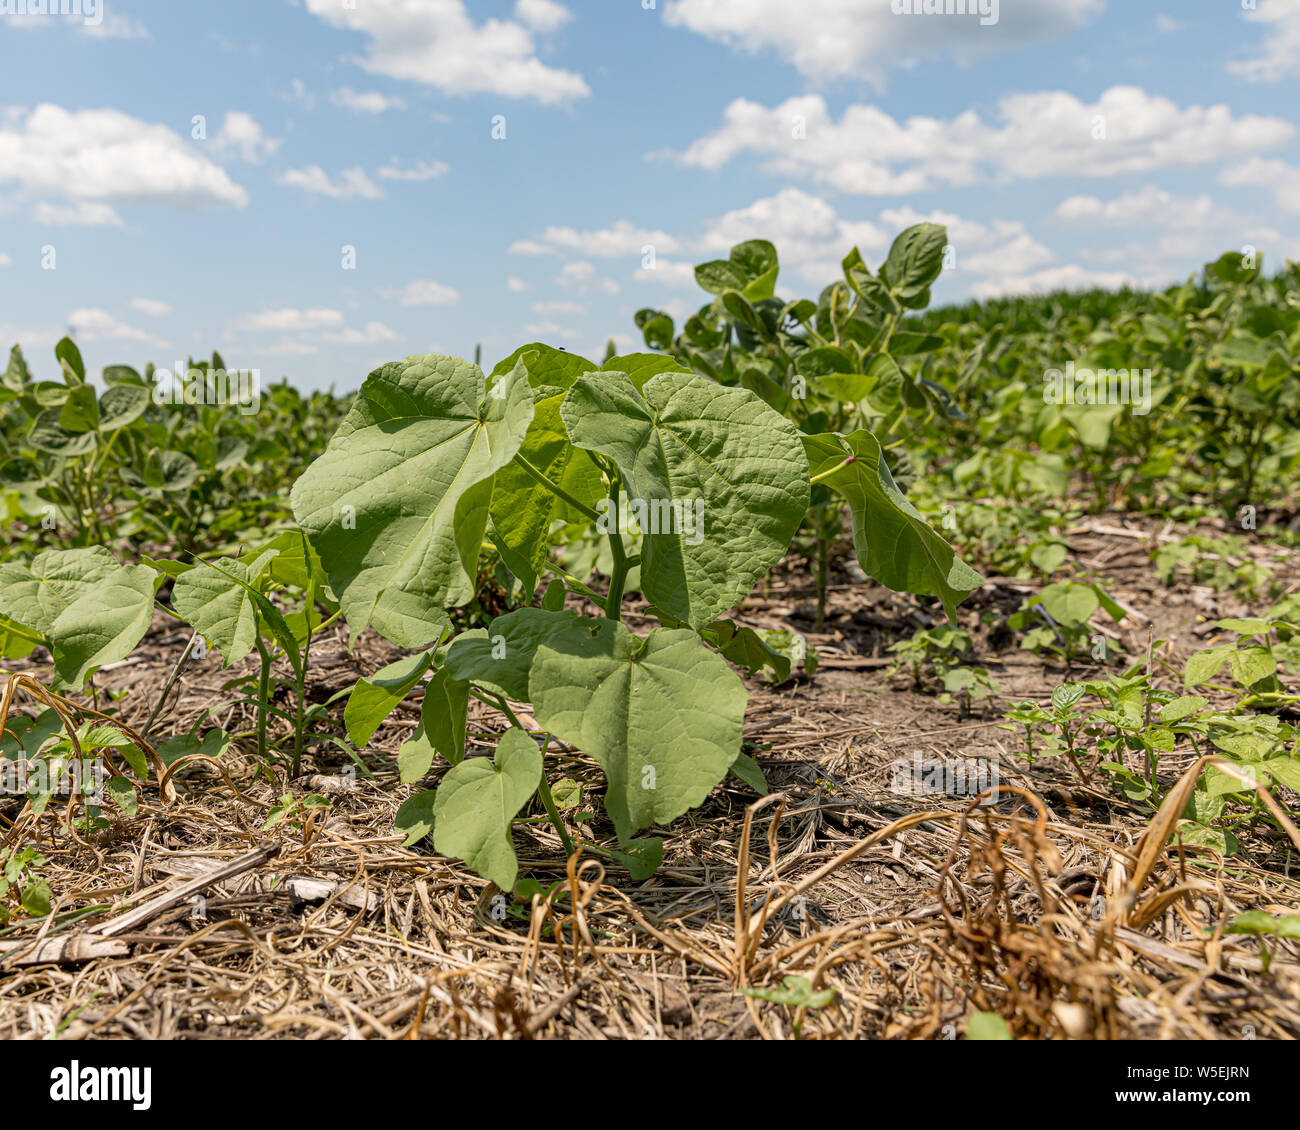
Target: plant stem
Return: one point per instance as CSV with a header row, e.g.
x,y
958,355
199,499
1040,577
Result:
x,y
614,602
544,791
263,696
831,470
543,787
559,492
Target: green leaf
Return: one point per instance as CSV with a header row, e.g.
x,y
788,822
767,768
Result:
x,y
34,597
641,857
1246,627
1202,666
914,262
415,817
69,356
1069,603
1181,707
441,729
80,411
987,1026
554,596
36,898
123,792
524,511
476,801
662,716
721,474
640,367
48,435
122,405
894,543
219,604
397,505
746,768
373,699
1251,665
794,992
500,658
103,625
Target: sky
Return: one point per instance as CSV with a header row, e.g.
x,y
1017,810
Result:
x,y
315,187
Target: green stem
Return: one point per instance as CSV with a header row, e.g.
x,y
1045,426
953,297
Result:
x,y
263,696
543,787
559,492
614,602
830,471
544,791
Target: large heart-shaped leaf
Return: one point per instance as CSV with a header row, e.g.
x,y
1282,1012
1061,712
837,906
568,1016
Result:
x,y
501,657
894,543
397,505
662,716
103,625
476,801
523,510
218,603
34,596
722,478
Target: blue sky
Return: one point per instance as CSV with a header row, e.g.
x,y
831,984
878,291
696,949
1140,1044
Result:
x,y
198,169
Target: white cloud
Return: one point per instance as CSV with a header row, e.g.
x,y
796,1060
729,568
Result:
x,y
1282,179
549,329
288,347
1069,277
373,333
550,309
351,184
299,94
425,292
153,307
114,25
1280,55
290,320
365,101
241,136
542,15
577,272
620,238
423,170
828,39
110,156
436,43
670,273
5,259
1167,25
1146,207
1049,133
94,324
83,213
516,285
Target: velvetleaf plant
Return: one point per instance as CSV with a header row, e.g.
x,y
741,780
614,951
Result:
x,y
434,458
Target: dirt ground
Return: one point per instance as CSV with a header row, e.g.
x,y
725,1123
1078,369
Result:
x,y
915,910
